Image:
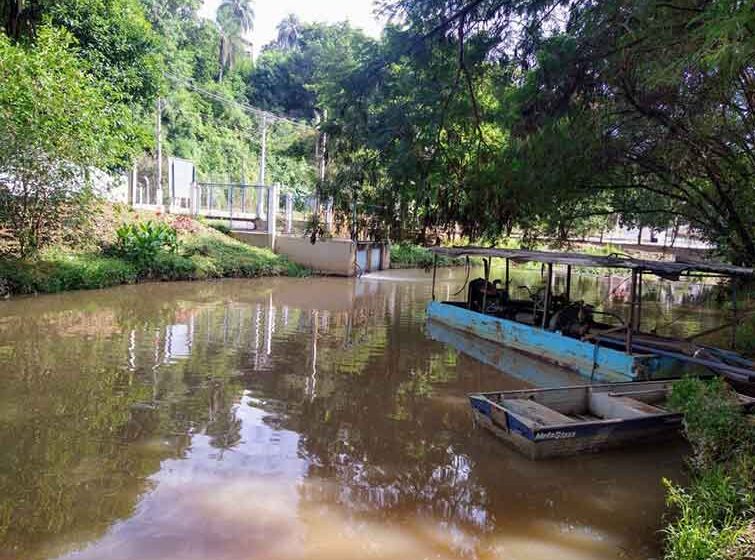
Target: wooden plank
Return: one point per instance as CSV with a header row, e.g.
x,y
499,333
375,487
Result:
x,y
538,413
622,408
655,395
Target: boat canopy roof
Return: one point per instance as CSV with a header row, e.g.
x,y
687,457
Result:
x,y
666,269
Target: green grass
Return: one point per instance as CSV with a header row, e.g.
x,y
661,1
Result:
x,y
219,225
57,271
217,255
712,518
201,255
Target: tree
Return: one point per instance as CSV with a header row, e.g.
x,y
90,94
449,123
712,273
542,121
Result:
x,y
288,32
113,37
235,19
640,108
56,124
16,16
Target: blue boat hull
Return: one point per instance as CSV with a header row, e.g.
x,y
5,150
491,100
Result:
x,y
510,361
592,361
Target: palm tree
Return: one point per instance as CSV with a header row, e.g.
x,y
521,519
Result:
x,y
235,19
288,32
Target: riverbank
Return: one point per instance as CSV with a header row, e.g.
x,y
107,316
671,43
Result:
x,y
713,516
199,253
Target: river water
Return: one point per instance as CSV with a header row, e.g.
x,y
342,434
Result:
x,y
288,419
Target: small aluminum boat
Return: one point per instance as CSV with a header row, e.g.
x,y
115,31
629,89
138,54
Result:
x,y
545,423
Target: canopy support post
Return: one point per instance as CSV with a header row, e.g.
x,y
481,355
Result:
x,y
735,312
568,283
638,318
547,303
435,271
507,275
632,302
486,262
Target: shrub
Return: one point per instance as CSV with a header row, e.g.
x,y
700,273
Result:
x,y
172,266
746,336
713,420
55,126
142,242
713,516
185,224
407,255
219,225
201,256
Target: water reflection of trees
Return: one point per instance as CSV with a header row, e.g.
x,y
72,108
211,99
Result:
x,y
100,389
223,427
93,401
96,397
373,427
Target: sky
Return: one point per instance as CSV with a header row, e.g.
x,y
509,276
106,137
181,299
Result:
x,y
268,13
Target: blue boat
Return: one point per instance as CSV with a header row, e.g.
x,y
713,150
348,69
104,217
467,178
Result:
x,y
574,334
515,364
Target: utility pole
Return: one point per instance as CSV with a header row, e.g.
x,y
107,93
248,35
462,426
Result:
x,y
263,155
263,165
320,157
323,144
159,135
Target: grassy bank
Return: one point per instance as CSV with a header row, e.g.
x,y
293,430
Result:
x,y
199,253
713,517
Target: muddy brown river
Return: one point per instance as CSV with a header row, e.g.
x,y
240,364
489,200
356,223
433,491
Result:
x,y
292,419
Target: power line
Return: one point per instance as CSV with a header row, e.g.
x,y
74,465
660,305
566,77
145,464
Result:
x,y
243,106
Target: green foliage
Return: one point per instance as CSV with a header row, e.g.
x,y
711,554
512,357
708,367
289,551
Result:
x,y
235,18
234,258
713,420
142,242
219,225
712,518
117,43
705,527
55,125
746,336
407,255
144,251
58,271
649,120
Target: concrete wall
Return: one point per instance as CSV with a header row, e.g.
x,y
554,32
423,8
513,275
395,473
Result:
x,y
332,256
254,238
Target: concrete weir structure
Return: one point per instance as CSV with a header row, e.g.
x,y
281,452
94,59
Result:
x,y
338,257
252,214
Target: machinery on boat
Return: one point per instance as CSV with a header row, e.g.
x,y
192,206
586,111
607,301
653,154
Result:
x,y
575,334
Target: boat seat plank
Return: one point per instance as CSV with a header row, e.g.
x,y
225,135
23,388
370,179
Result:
x,y
653,395
624,408
538,413
644,393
